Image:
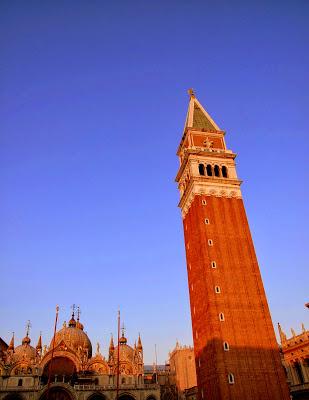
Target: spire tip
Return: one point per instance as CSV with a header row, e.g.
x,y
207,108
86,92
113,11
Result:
x,y
191,93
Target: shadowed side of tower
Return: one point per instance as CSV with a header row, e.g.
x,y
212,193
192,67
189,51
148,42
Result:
x,y
236,352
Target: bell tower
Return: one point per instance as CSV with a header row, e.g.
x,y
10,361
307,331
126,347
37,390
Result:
x,y
236,352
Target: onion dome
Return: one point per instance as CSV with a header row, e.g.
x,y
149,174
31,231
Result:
x,y
123,340
26,340
25,351
126,352
74,337
72,322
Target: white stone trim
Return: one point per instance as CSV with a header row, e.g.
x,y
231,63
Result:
x,y
208,189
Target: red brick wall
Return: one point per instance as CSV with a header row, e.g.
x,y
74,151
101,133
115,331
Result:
x,y
253,355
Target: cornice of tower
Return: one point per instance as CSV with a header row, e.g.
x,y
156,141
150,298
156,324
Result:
x,y
217,188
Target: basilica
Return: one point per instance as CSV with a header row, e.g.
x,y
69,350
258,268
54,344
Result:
x,y
67,369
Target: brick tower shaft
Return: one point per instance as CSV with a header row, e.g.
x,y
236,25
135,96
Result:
x,y
236,352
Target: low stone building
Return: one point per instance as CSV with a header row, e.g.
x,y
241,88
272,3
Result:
x,y
71,372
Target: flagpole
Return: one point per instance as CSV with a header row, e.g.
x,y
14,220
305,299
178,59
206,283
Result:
x,y
52,354
118,356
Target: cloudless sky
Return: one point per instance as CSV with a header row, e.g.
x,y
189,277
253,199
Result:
x,y
93,102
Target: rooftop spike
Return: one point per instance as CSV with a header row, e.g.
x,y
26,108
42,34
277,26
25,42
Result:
x,y
111,343
39,345
281,333
139,343
12,345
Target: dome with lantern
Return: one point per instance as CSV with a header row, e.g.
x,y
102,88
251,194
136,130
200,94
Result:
x,y
25,352
73,336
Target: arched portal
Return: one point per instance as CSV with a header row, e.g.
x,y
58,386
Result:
x,y
62,370
57,393
13,396
126,396
96,396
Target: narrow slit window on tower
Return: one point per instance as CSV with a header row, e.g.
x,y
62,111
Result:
x,y
231,378
217,170
199,362
204,202
210,242
224,171
221,316
201,169
196,335
217,289
226,346
213,264
207,221
209,170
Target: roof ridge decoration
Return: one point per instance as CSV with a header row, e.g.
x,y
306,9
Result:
x,y
197,116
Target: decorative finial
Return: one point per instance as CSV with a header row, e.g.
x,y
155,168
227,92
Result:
x,y
73,307
123,329
28,326
139,342
78,313
303,328
191,93
98,348
39,345
11,345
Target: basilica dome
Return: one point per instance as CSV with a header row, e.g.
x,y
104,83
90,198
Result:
x,y
126,352
74,337
25,351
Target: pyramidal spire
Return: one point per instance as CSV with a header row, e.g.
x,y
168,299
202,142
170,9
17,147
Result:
x,y
11,345
39,345
139,342
111,344
198,117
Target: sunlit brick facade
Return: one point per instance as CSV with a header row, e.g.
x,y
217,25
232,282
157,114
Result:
x,y
236,352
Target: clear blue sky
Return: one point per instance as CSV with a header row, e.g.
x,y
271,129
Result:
x,y
93,102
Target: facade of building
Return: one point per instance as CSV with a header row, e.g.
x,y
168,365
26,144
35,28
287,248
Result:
x,y
182,367
295,358
74,372
236,352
